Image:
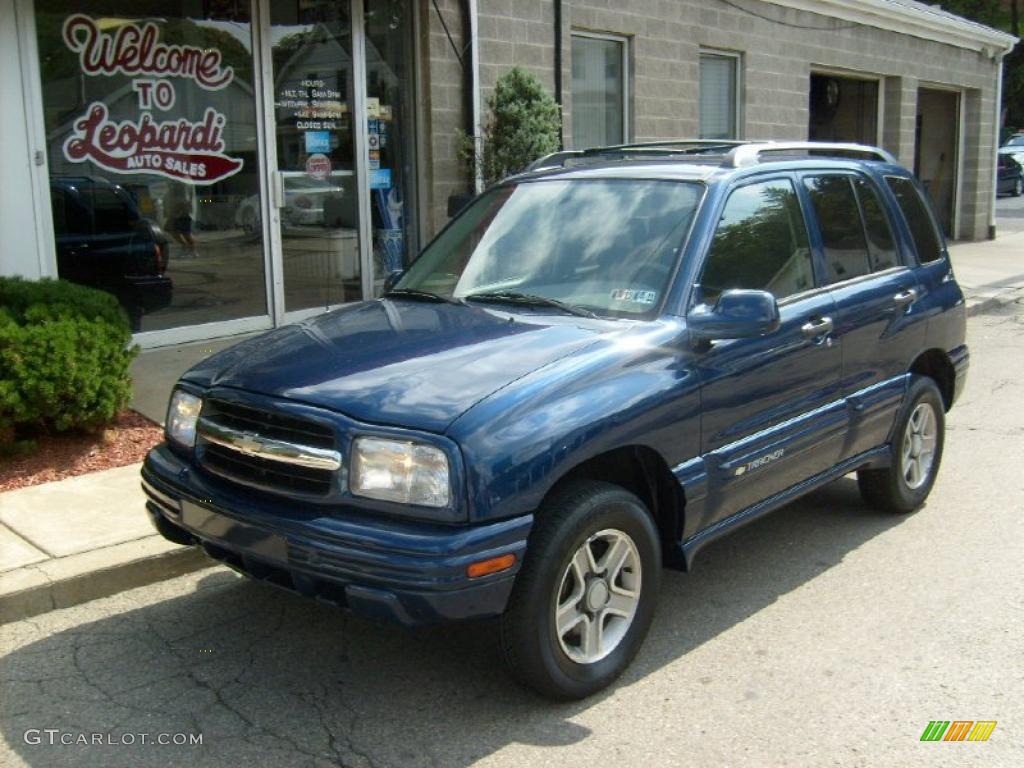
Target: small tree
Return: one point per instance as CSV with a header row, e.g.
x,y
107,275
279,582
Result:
x,y
523,125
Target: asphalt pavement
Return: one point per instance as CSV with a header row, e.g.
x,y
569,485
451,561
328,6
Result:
x,y
1009,214
827,634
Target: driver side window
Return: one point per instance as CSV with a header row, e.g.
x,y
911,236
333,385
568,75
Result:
x,y
760,243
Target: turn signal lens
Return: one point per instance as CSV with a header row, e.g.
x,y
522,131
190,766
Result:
x,y
495,564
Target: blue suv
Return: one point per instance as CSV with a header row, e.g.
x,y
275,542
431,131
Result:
x,y
595,369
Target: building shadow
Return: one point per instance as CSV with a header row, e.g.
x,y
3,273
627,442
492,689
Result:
x,y
270,679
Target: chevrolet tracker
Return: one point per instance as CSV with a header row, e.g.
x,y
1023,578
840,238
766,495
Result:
x,y
596,368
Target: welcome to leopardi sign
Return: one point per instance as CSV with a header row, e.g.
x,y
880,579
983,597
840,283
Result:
x,y
186,150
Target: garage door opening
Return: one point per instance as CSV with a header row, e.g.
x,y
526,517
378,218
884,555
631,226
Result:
x,y
935,150
843,109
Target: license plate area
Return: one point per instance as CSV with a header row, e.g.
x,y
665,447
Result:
x,y
234,534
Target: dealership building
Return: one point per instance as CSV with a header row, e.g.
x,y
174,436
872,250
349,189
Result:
x,y
227,166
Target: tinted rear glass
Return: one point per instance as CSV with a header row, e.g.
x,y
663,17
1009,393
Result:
x,y
919,219
881,244
842,234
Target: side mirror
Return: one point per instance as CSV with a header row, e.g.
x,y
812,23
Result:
x,y
392,278
738,314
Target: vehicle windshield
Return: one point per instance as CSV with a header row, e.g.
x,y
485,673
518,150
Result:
x,y
1015,141
609,246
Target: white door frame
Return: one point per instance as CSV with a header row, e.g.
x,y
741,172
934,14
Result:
x,y
35,126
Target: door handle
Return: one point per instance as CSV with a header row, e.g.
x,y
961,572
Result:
x,y
905,297
817,327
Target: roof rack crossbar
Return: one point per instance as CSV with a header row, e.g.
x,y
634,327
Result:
x,y
637,149
675,143
750,153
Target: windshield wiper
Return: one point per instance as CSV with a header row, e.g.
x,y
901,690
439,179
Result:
x,y
515,297
415,293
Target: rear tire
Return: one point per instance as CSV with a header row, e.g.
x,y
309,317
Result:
x,y
918,438
585,596
1018,187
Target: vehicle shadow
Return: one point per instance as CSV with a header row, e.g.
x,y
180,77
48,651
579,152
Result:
x,y
270,679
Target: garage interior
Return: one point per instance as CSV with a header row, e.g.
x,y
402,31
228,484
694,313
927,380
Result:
x,y
843,109
935,150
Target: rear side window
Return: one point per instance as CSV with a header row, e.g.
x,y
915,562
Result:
x,y
881,244
760,243
915,211
835,205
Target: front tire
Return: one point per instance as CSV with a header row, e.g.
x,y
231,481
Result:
x,y
917,444
1018,187
585,596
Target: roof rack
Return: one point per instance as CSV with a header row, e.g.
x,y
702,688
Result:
x,y
750,153
737,153
686,147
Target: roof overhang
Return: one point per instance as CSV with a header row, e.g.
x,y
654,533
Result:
x,y
912,18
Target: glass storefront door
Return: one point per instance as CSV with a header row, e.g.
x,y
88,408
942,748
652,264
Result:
x,y
344,149
316,182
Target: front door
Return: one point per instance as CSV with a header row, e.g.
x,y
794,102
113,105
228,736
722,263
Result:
x,y
772,413
315,191
343,166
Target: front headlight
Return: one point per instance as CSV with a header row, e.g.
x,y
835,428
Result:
x,y
182,415
397,470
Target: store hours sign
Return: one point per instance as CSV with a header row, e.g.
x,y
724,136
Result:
x,y
190,151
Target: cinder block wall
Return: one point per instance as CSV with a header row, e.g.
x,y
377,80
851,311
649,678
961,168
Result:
x,y
666,37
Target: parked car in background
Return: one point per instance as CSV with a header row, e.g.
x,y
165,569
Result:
x,y
1011,176
308,202
598,367
103,241
1014,147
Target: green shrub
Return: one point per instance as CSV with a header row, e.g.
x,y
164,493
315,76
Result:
x,y
65,352
524,124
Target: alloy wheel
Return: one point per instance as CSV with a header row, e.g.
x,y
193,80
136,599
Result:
x,y
919,441
598,596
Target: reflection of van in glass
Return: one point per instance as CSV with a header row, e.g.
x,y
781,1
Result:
x,y
104,242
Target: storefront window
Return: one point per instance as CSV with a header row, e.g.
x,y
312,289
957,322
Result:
x,y
154,168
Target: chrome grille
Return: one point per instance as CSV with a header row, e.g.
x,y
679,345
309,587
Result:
x,y
265,449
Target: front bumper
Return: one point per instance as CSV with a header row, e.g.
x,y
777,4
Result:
x,y
406,571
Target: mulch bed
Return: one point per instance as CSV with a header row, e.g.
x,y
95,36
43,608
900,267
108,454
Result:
x,y
126,441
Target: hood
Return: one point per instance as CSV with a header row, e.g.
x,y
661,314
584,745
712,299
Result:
x,y
396,362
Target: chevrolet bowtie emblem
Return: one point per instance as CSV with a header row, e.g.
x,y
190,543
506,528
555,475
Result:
x,y
248,442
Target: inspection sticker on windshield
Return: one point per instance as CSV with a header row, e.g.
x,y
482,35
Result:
x,y
634,296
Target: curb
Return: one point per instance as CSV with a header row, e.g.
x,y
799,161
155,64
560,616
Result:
x,y
75,579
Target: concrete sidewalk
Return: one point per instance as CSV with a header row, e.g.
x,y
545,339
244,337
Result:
x,y
74,540
989,271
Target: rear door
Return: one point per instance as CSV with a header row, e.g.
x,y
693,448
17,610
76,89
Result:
x,y
771,413
877,317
